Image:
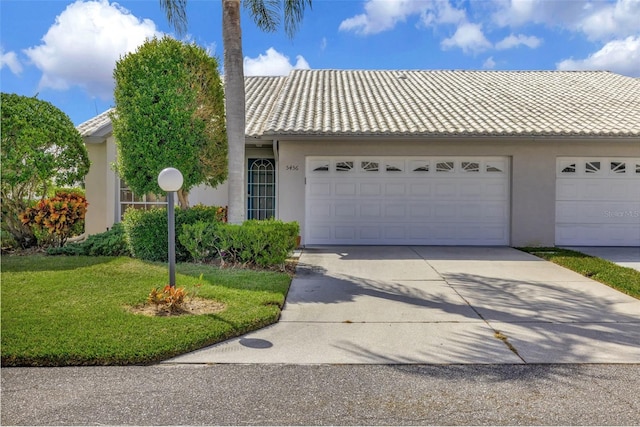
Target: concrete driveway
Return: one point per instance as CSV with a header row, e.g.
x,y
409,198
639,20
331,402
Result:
x,y
438,305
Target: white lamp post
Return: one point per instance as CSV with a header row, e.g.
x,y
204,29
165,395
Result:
x,y
170,180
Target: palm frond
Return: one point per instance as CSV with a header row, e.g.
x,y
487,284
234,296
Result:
x,y
176,11
268,14
265,13
293,14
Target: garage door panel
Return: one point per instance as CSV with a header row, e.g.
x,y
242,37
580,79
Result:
x,y
395,211
495,233
408,201
446,190
419,211
371,210
568,190
321,233
370,233
395,189
316,189
370,189
597,202
472,190
320,210
599,189
394,232
345,232
496,191
495,212
598,212
596,235
420,189
347,211
345,189
444,211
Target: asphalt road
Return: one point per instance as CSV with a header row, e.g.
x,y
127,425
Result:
x,y
323,395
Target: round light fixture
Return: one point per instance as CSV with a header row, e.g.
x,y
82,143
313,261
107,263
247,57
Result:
x,y
170,179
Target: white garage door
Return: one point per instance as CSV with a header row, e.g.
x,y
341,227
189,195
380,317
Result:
x,y
407,200
598,202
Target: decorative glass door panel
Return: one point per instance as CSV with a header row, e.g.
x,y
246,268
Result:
x,y
261,203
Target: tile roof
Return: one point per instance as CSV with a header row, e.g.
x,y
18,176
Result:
x,y
261,94
436,103
424,103
95,124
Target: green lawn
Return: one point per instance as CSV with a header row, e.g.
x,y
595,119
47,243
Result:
x,y
59,311
624,279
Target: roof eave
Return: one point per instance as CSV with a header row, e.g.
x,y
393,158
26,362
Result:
x,y
407,135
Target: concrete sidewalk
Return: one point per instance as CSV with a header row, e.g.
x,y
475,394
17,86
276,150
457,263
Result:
x,y
438,305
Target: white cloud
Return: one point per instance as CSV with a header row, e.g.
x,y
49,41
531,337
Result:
x,y
10,60
323,44
519,12
512,41
489,64
441,12
273,63
598,20
383,15
83,45
614,20
613,26
469,38
620,56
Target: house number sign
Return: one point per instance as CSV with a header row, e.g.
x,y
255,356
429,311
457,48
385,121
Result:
x,y
292,167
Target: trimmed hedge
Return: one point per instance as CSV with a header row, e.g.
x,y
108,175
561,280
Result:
x,y
110,243
147,231
265,243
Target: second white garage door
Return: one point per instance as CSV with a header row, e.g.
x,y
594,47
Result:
x,y
598,201
408,200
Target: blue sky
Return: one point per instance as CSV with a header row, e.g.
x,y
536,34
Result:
x,y
65,51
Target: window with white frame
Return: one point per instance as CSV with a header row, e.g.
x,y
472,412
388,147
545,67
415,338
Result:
x,y
128,199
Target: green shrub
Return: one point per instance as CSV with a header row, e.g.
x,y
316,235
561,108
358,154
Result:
x,y
59,216
146,231
110,243
200,240
6,240
70,249
71,190
265,243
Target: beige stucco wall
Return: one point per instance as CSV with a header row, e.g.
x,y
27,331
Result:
x,y
100,185
208,196
219,196
533,170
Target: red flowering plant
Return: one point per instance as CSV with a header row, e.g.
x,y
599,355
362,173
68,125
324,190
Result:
x,y
58,215
169,298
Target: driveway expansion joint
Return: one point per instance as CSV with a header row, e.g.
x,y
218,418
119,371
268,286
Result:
x,y
496,333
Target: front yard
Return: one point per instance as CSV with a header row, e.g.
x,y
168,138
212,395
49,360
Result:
x,y
59,311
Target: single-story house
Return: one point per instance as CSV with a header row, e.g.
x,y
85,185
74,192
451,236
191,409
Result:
x,y
426,158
